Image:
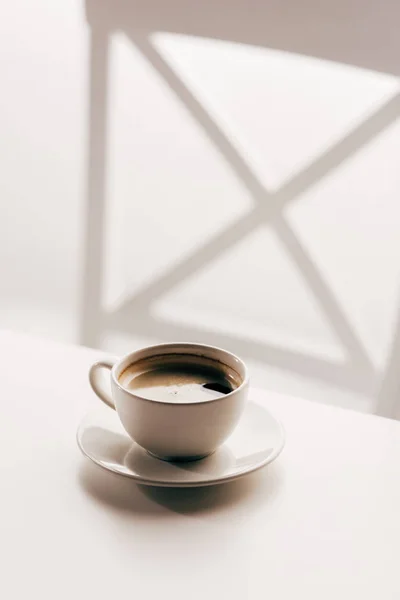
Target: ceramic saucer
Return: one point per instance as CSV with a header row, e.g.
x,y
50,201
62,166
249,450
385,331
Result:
x,y
257,440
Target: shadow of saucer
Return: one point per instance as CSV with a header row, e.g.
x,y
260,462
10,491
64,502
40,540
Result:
x,y
123,495
254,490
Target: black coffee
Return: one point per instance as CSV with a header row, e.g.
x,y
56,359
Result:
x,y
179,378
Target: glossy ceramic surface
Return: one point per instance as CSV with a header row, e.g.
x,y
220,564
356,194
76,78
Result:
x,y
257,441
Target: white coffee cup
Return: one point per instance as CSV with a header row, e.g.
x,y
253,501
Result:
x,y
174,431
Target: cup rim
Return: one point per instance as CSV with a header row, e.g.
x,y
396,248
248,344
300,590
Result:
x,y
187,345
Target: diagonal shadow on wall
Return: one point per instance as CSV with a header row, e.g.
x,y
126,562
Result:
x,y
134,314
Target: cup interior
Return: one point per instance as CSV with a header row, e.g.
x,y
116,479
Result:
x,y
196,354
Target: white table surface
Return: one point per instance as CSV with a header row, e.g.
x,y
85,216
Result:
x,y
322,522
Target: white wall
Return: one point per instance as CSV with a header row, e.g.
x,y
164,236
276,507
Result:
x,y
43,73
200,131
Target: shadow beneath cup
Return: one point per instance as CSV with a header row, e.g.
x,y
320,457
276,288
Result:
x,y
148,464
123,495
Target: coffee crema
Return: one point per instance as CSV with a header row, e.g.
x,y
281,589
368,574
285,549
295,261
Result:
x,y
179,378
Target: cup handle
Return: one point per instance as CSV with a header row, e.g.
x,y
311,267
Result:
x,y
97,382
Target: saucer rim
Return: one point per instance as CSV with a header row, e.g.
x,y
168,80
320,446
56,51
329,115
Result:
x,y
188,484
